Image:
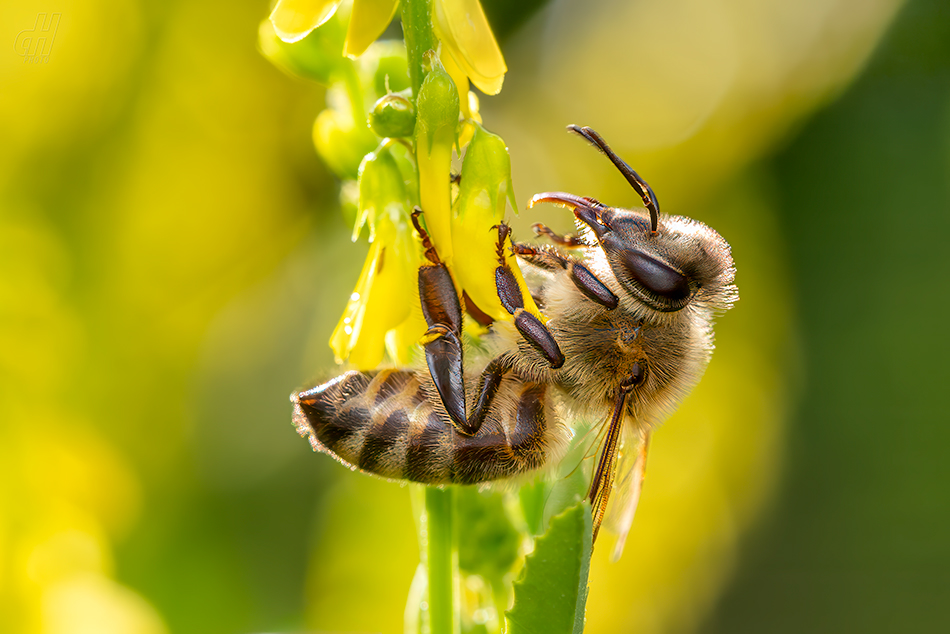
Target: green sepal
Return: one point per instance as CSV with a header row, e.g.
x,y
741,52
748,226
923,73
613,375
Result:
x,y
437,107
486,169
382,195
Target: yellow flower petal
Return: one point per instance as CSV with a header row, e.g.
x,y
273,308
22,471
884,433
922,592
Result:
x,y
461,82
294,19
485,186
349,328
367,22
402,342
383,296
473,107
380,302
462,27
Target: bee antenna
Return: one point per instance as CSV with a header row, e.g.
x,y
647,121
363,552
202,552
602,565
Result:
x,y
639,185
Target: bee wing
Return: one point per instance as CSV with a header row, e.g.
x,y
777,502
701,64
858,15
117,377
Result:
x,y
631,470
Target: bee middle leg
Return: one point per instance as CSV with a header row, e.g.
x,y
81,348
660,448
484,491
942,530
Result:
x,y
530,327
585,281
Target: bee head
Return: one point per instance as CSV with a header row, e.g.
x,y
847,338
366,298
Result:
x,y
683,261
666,262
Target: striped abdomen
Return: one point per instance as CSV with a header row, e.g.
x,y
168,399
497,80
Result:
x,y
386,424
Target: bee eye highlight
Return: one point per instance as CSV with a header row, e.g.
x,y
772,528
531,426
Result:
x,y
655,276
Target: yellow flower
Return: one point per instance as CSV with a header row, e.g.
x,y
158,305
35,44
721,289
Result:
x,y
468,100
480,207
382,298
294,19
367,22
465,34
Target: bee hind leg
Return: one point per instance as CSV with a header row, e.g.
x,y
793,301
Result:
x,y
442,341
509,293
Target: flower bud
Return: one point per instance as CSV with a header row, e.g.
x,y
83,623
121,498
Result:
x,y
393,116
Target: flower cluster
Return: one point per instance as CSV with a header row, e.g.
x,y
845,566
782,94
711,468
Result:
x,y
396,148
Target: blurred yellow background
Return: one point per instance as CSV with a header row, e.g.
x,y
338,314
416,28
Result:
x,y
173,260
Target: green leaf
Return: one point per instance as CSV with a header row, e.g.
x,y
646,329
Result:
x,y
551,593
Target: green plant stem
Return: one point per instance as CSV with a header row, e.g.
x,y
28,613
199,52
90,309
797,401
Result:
x,y
441,551
417,31
442,560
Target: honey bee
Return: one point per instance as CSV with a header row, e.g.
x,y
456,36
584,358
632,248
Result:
x,y
629,333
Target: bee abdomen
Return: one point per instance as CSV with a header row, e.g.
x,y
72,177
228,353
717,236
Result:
x,y
383,423
493,453
360,419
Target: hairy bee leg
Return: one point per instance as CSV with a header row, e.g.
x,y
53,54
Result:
x,y
542,258
442,341
585,281
568,241
430,252
444,358
488,384
509,293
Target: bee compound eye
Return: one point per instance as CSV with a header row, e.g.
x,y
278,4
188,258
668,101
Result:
x,y
655,276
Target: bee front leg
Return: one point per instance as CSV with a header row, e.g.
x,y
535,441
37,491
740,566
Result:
x,y
585,281
567,241
442,341
530,327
